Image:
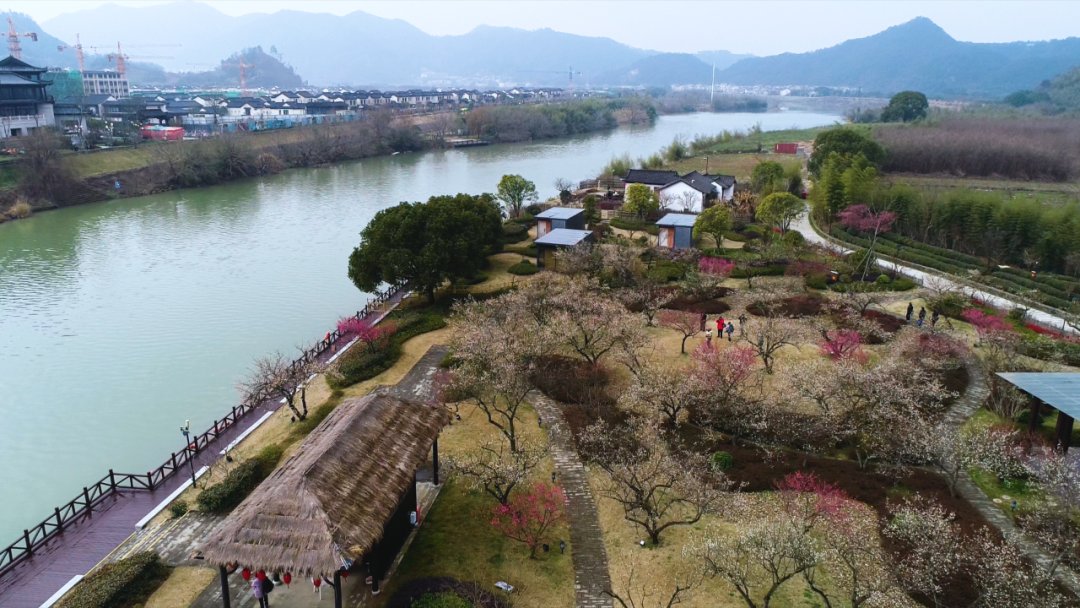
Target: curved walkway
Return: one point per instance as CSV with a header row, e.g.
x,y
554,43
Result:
x,y
958,413
591,575
942,281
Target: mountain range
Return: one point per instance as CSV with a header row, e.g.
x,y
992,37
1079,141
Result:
x,y
360,49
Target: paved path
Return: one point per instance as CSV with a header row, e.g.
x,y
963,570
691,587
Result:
x,y
939,280
591,575
958,413
85,543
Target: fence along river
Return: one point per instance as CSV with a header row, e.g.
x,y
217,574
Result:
x,y
120,320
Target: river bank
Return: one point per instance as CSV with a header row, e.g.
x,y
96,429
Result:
x,y
63,180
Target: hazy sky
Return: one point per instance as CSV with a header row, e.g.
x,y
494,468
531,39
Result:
x,y
761,28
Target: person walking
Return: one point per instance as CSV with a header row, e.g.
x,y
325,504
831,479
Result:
x,y
720,327
730,330
257,591
708,337
934,317
910,311
704,320
922,315
742,324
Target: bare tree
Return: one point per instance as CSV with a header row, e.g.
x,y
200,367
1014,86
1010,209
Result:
x,y
495,470
685,322
769,334
275,376
655,488
634,596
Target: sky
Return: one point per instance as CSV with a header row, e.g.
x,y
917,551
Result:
x,y
789,26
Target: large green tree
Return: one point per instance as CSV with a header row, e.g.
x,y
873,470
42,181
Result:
x,y
779,209
765,176
515,192
640,200
446,238
906,106
844,142
715,221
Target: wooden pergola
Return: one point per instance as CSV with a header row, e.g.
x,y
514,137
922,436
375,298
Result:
x,y
346,496
1058,390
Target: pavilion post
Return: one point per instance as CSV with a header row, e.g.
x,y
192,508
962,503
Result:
x,y
337,588
435,459
1033,417
226,600
1064,431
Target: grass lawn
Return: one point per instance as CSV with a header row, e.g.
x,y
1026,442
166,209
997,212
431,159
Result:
x,y
1053,192
457,539
739,165
90,164
182,587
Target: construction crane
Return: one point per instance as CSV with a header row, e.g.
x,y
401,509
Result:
x,y
121,59
570,73
14,44
243,74
79,48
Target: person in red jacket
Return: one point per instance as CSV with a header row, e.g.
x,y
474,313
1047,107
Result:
x,y
720,327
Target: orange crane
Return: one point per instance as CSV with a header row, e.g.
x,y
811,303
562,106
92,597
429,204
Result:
x,y
14,44
78,46
243,74
121,59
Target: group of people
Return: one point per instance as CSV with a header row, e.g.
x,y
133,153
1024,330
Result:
x,y
722,327
921,319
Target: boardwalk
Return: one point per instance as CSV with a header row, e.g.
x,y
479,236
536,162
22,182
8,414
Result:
x,y
591,575
84,544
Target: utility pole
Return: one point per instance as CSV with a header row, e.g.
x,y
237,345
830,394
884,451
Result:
x,y
712,88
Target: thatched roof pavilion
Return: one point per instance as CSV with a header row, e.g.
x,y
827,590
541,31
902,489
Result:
x,y
331,500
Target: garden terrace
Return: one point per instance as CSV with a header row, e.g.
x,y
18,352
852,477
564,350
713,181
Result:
x,y
338,499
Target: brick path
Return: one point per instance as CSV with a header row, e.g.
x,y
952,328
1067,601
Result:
x,y
590,557
961,410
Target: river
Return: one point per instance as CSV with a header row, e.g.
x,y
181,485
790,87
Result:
x,y
121,320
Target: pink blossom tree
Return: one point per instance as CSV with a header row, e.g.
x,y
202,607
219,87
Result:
x,y
842,344
529,516
864,219
718,267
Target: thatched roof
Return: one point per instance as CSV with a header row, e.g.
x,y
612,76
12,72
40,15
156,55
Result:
x,y
331,499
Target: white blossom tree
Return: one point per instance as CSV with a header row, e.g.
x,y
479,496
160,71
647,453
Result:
x,y
495,470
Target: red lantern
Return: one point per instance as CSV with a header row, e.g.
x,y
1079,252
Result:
x,y
317,582
261,575
246,573
287,579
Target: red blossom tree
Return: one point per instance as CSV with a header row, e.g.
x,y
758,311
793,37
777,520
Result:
x,y
811,498
372,337
864,219
984,322
718,267
529,516
842,344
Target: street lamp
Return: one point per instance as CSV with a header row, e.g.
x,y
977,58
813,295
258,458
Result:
x,y
186,432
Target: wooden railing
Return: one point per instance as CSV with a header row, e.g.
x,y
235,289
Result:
x,y
92,496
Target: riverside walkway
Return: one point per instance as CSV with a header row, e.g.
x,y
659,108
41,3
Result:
x,y
32,582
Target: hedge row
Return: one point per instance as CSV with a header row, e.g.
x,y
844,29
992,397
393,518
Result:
x,y
1049,349
633,225
1010,280
526,250
523,268
358,365
225,495
123,584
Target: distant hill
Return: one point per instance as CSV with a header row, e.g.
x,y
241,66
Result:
x,y
661,70
1062,94
261,71
721,59
916,55
355,49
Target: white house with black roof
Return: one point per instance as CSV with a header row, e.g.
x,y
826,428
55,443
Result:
x,y
691,192
25,105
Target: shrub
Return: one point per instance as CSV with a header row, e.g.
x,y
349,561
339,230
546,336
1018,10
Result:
x,y
793,238
268,163
223,496
721,461
816,281
357,365
514,232
446,599
533,209
527,250
883,279
664,271
902,284
178,509
126,583
523,268
634,225
21,209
